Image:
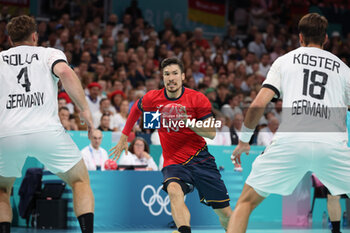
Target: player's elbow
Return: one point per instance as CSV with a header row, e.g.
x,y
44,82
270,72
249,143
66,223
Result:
x,y
63,71
258,104
211,134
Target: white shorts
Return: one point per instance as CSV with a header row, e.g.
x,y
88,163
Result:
x,y
281,166
55,149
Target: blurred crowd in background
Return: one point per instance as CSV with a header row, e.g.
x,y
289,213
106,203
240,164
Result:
x,y
117,58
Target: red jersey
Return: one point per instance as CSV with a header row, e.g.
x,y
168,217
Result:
x,y
179,143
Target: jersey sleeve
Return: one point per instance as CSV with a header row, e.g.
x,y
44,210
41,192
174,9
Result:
x,y
203,107
273,79
55,56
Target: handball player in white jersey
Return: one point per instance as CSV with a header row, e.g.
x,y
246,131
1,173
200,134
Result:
x,y
315,87
29,123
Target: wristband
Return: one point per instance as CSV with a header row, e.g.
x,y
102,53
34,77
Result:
x,y
246,134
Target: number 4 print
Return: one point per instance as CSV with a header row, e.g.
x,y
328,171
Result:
x,y
26,84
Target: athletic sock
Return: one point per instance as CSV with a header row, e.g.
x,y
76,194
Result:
x,y
335,227
184,229
86,222
5,227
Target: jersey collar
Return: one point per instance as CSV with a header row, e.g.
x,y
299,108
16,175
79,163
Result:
x,y
172,99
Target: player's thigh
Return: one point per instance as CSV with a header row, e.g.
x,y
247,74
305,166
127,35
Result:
x,y
280,168
332,166
13,154
56,150
78,173
178,173
211,188
6,184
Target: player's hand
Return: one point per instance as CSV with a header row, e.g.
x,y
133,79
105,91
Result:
x,y
85,118
236,154
118,149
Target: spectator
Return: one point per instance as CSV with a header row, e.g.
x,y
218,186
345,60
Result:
x,y
168,25
196,74
93,98
266,134
105,123
211,95
277,111
134,11
199,40
138,155
62,102
264,65
257,46
223,136
235,129
63,114
120,118
105,108
222,94
94,155
231,39
232,108
116,99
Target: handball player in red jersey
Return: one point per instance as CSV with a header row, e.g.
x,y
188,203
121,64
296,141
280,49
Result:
x,y
187,162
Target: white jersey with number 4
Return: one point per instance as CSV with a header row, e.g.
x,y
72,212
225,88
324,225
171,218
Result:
x,y
28,90
315,87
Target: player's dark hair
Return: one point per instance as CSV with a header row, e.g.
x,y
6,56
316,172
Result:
x,y
20,28
172,61
131,146
313,27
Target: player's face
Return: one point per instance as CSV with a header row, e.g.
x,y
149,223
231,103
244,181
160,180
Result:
x,y
173,79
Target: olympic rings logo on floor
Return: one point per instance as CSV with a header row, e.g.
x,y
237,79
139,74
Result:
x,y
155,198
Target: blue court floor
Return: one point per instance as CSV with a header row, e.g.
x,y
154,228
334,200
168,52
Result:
x,y
194,230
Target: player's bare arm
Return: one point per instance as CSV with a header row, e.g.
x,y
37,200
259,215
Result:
x,y
254,113
134,115
72,85
207,132
118,149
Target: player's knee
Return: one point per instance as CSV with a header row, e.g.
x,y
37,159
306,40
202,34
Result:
x,y
224,213
5,193
174,190
247,203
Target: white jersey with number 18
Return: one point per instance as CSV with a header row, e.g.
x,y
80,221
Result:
x,y
315,87
28,90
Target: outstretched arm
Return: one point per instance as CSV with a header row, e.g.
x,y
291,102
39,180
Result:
x,y
72,85
207,132
254,113
134,115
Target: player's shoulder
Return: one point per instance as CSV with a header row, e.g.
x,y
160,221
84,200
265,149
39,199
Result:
x,y
288,55
189,91
154,93
194,93
49,50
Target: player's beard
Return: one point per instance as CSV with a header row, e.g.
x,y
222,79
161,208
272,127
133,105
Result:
x,y
173,90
